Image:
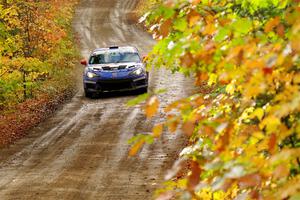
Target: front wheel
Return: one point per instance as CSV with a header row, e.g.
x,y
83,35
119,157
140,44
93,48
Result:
x,y
88,94
143,90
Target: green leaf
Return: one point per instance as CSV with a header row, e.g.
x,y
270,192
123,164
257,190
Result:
x,y
222,34
167,12
149,139
138,99
242,26
180,24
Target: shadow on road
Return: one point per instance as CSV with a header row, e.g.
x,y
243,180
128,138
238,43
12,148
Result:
x,y
107,95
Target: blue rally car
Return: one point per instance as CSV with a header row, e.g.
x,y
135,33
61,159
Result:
x,y
114,69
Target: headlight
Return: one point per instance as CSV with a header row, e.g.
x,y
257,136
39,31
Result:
x,y
91,75
138,72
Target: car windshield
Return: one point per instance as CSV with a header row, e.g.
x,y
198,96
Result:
x,y
114,57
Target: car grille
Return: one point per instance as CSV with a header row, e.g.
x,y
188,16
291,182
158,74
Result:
x,y
107,68
91,86
141,82
122,67
115,85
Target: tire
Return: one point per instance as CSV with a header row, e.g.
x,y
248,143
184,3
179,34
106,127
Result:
x,y
143,90
88,94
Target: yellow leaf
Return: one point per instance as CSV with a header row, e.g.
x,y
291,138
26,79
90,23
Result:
x,y
230,89
152,106
296,79
270,123
157,130
263,145
295,44
255,86
212,79
209,29
253,141
259,113
259,135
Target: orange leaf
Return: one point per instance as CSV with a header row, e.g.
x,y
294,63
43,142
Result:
x,y
193,17
281,171
224,22
195,2
136,147
157,130
194,178
255,194
188,128
272,143
171,106
207,130
152,106
272,24
267,70
224,139
224,78
165,28
240,57
280,30
255,63
250,180
172,123
187,60
200,78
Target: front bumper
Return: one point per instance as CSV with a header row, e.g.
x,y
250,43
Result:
x,y
112,85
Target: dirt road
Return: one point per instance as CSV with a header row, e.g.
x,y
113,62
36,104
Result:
x,y
81,152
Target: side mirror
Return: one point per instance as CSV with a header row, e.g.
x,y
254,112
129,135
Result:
x,y
83,62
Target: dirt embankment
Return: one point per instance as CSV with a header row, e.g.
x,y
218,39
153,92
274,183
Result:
x,y
16,124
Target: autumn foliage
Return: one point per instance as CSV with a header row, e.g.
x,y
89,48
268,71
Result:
x,y
244,123
36,48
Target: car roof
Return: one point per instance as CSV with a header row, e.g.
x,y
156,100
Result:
x,y
116,49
